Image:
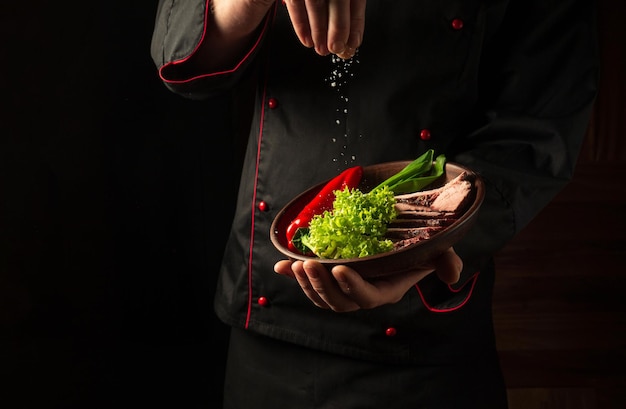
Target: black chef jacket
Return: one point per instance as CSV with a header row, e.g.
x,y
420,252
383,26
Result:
x,y
504,87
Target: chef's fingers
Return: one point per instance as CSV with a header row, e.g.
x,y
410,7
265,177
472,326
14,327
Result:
x,y
339,19
309,286
329,25
283,267
317,10
300,21
327,289
355,30
309,19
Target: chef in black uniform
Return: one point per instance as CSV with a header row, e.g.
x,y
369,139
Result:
x,y
504,87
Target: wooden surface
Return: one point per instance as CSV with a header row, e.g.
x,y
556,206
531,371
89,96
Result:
x,y
560,299
560,296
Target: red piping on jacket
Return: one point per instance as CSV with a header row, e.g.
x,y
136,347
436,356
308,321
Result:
x,y
469,294
212,74
256,179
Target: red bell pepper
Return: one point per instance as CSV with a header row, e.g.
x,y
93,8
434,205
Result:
x,y
324,199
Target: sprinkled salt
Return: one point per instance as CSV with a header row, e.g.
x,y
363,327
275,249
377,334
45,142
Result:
x,y
338,78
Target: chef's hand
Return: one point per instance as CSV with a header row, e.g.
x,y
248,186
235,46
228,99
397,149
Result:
x,y
329,26
343,289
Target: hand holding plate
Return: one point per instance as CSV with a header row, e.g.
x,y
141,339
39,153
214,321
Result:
x,y
343,289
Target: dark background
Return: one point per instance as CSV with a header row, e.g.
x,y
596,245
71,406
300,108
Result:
x,y
114,206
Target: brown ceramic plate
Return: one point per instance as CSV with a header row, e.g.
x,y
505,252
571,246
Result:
x,y
395,261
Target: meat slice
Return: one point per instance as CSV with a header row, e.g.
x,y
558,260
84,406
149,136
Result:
x,y
451,197
407,211
423,214
398,244
411,223
417,233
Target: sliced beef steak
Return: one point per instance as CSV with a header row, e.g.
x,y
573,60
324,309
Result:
x,y
451,197
423,214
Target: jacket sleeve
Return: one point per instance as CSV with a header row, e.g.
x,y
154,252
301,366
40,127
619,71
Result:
x,y
540,77
179,30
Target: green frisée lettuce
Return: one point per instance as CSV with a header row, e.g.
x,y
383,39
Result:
x,y
355,227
